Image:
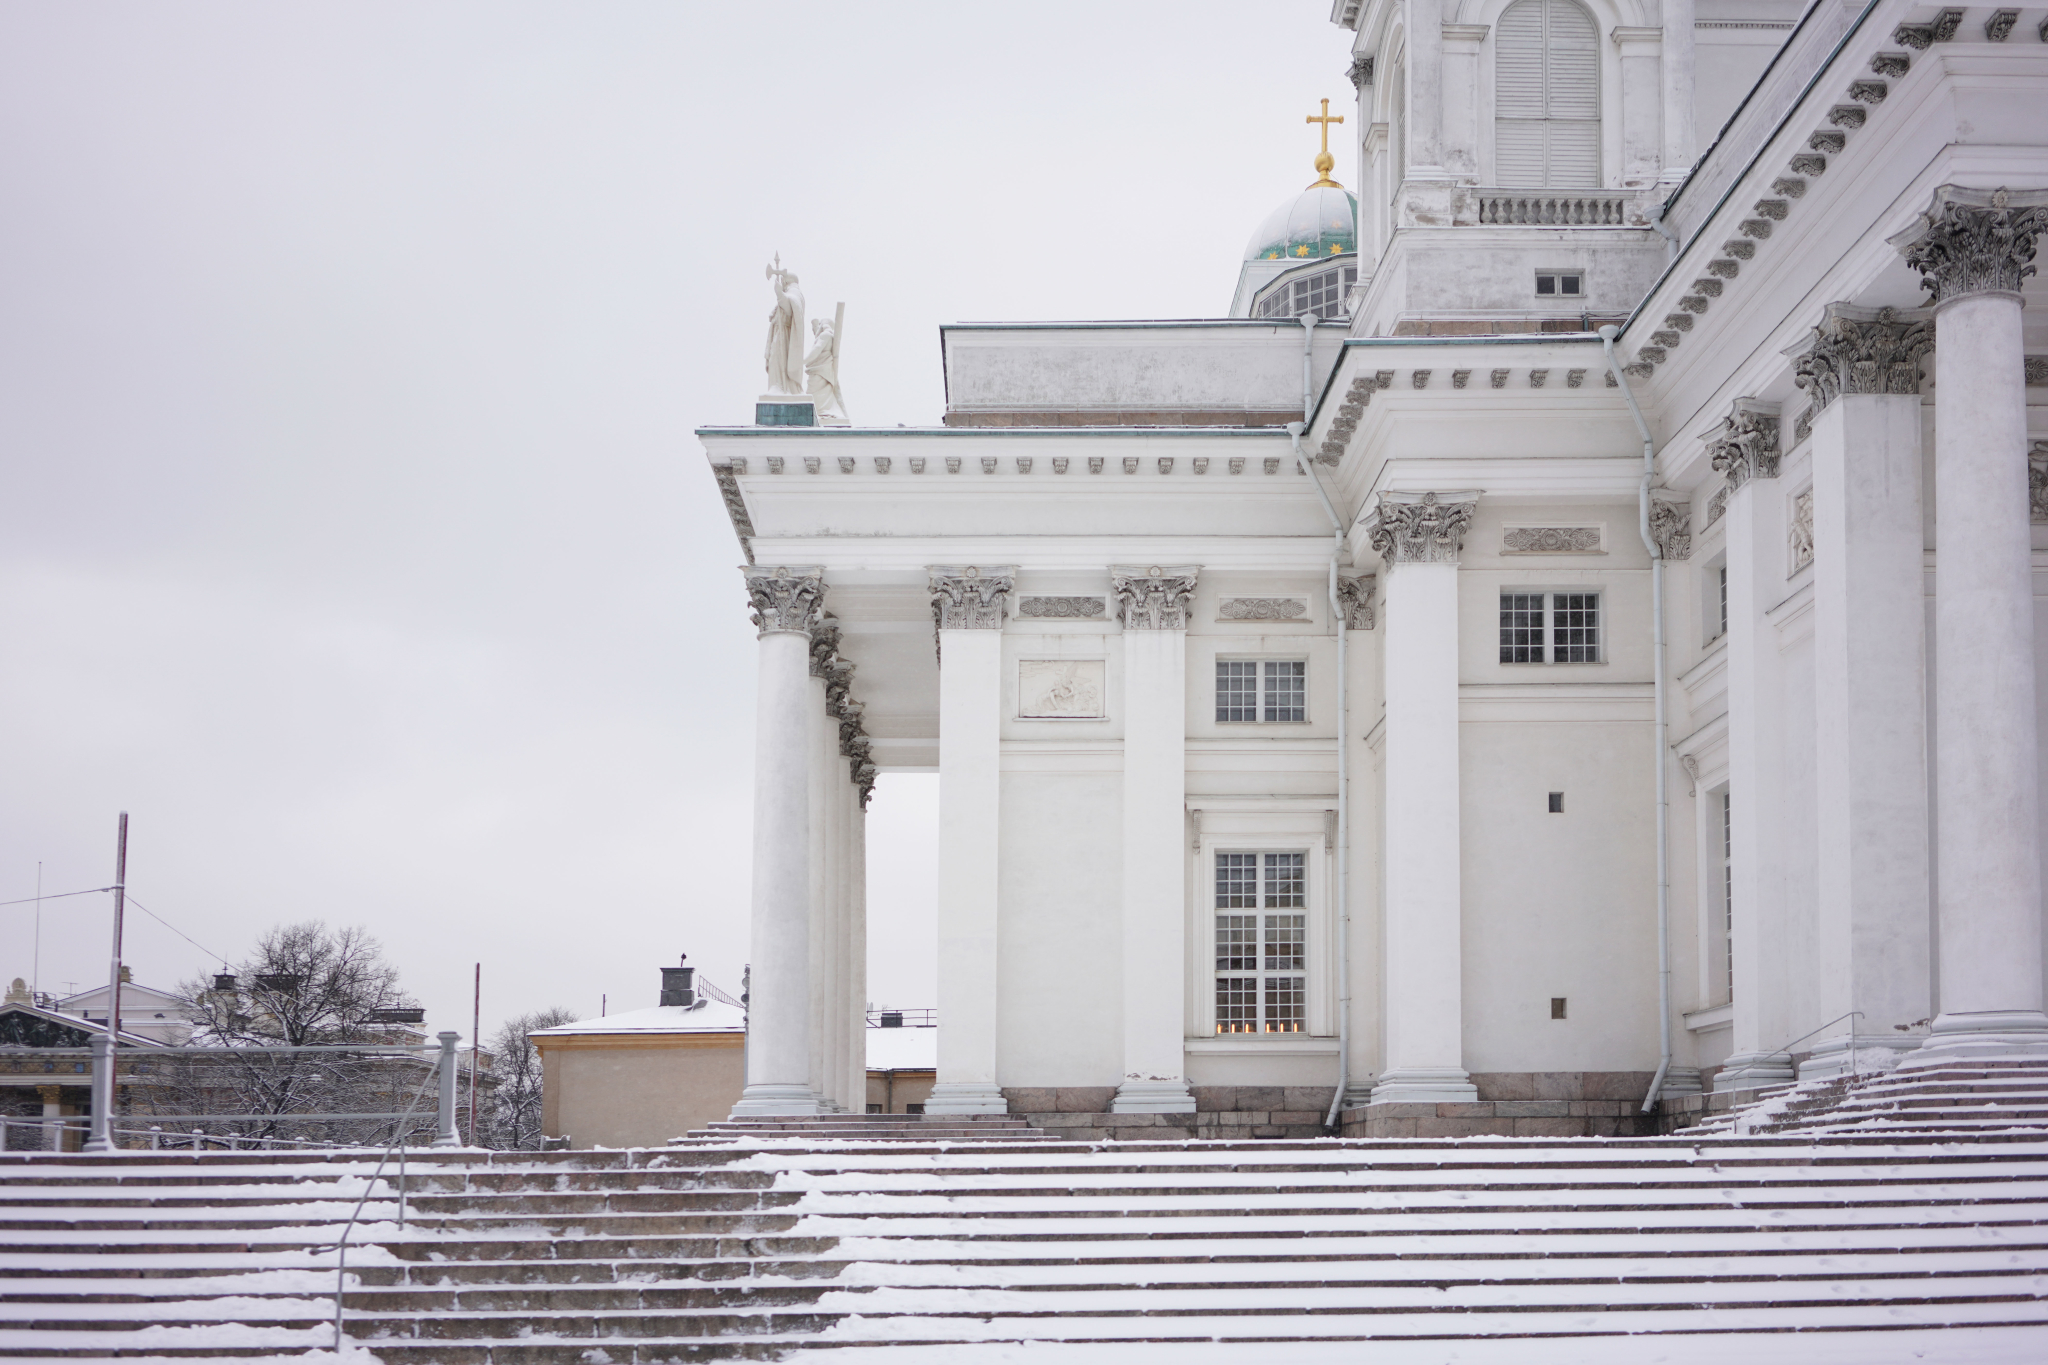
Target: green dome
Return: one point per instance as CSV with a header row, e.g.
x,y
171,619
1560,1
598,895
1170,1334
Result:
x,y
1319,222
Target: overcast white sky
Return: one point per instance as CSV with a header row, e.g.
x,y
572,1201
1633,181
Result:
x,y
354,538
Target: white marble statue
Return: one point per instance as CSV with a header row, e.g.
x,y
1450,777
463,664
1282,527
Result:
x,y
821,366
785,353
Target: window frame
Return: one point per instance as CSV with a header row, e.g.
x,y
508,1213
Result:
x,y
1260,663
1557,277
1549,629
1234,828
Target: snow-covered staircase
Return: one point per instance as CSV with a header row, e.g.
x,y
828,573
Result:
x,y
1883,1248
1925,1096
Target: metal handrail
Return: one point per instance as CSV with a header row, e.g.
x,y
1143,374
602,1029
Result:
x,y
445,1074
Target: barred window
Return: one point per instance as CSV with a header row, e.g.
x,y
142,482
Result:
x,y
1261,690
1321,293
1550,627
1237,690
1261,957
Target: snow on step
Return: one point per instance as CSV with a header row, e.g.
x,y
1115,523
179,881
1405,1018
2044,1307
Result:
x,y
930,1250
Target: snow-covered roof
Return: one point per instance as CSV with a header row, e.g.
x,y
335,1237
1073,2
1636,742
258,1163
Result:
x,y
709,1016
903,1049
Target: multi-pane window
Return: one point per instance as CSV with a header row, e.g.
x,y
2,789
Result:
x,y
1550,627
1261,943
1261,689
1321,293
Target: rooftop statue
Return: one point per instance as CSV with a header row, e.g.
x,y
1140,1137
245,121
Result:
x,y
785,353
821,366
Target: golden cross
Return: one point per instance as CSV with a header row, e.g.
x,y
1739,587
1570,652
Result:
x,y
1323,159
1326,119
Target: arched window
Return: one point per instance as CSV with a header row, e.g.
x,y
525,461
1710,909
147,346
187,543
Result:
x,y
1546,96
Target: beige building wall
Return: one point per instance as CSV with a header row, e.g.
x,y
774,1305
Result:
x,y
621,1090
894,1091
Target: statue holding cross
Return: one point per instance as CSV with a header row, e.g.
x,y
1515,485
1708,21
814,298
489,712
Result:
x,y
1323,159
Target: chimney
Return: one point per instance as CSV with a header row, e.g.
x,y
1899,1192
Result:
x,y
679,984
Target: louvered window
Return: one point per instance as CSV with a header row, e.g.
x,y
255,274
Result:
x,y
1546,97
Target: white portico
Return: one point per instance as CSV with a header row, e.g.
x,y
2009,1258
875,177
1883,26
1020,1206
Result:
x,y
1604,843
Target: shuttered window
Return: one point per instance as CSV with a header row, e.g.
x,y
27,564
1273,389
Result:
x,y
1546,97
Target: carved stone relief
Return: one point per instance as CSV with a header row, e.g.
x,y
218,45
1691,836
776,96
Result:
x,y
1799,530
1063,608
1060,689
1551,540
2037,479
1262,609
1717,504
1155,598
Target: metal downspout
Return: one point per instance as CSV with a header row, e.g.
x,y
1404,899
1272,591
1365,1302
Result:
x,y
1343,878
1607,336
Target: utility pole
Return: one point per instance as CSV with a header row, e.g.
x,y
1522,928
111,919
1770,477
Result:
x,y
103,1078
476,1022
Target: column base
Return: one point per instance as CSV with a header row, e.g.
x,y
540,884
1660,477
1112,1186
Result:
x,y
757,1100
1681,1080
1425,1085
1754,1071
1852,1054
1988,1034
1153,1097
966,1097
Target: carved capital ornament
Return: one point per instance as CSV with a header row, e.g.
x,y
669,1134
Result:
x,y
1863,350
1975,241
786,601
1671,525
1745,444
1421,528
970,597
1357,594
1154,598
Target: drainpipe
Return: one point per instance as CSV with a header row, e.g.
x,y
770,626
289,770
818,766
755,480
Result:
x,y
1308,377
1607,336
1343,879
1655,213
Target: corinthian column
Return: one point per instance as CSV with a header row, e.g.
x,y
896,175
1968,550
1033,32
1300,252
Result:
x,y
1418,536
1972,249
968,604
787,606
1746,451
1862,367
1153,606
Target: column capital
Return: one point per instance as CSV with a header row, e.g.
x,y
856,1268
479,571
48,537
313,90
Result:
x,y
825,646
1975,241
1863,350
1421,528
1154,598
1357,594
1671,523
1744,444
786,601
970,596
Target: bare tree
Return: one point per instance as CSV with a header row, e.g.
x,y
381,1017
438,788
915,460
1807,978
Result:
x,y
304,985
512,1114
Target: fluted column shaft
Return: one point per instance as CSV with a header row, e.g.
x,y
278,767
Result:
x,y
786,606
1973,250
1419,537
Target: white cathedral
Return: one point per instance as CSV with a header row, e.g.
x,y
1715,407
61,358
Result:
x,y
1568,633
